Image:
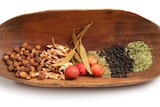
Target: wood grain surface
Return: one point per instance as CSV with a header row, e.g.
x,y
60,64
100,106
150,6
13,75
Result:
x,y
109,27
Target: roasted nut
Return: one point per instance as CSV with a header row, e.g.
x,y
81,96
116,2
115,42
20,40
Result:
x,y
24,45
31,60
28,58
5,57
32,68
27,69
32,74
17,56
29,47
23,49
8,53
21,52
31,55
38,47
41,76
35,64
20,63
10,67
33,50
22,68
23,74
25,62
39,67
39,51
36,54
23,57
38,59
18,68
28,77
17,74
12,57
26,52
16,64
9,62
19,59
16,50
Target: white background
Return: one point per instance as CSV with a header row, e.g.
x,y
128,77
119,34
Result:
x,y
14,94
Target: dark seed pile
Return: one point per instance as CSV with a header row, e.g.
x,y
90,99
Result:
x,y
119,61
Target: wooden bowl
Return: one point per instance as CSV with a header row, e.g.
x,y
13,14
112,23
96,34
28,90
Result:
x,y
110,27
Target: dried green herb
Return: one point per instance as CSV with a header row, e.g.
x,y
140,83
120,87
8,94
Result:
x,y
84,57
80,35
77,57
80,48
74,61
75,40
140,52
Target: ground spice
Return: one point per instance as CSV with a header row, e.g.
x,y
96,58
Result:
x,y
141,54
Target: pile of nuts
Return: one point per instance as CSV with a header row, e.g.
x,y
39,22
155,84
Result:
x,y
24,61
29,62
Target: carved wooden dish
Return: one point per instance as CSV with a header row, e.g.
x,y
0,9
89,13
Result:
x,y
110,27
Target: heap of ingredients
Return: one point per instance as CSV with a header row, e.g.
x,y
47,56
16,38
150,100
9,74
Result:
x,y
62,62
